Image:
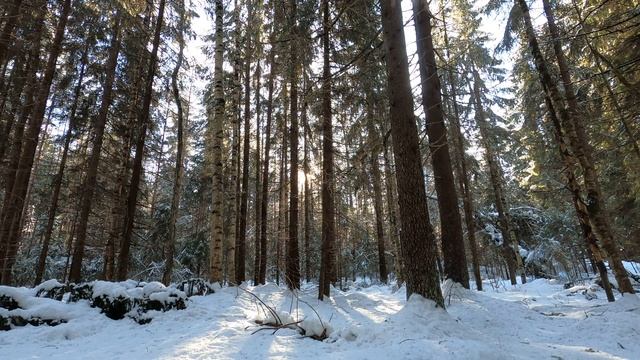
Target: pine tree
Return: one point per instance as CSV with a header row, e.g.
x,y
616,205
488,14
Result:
x,y
418,243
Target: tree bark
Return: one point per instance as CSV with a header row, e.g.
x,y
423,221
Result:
x,y
308,216
495,174
461,166
216,124
569,162
57,181
29,145
377,205
418,242
455,263
75,273
327,263
241,238
293,253
177,185
574,131
7,29
265,172
136,174
258,202
392,210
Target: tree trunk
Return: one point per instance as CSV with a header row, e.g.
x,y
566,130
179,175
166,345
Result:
x,y
591,241
258,203
265,173
17,81
495,173
377,205
461,166
327,263
136,174
455,263
23,173
241,238
75,273
574,131
216,123
308,221
418,241
392,210
234,193
293,254
57,181
177,185
7,31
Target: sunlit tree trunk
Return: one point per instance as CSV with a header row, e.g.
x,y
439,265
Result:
x,y
577,139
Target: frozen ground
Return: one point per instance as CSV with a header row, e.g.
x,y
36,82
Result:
x,y
538,320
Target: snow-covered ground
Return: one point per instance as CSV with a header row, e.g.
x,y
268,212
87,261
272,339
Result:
x,y
538,320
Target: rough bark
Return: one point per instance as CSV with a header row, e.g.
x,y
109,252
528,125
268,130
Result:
x,y
577,139
328,183
418,242
392,211
464,185
455,263
495,174
569,162
293,253
234,193
216,124
308,216
257,203
179,170
241,237
265,172
7,29
17,195
136,173
91,180
377,205
57,181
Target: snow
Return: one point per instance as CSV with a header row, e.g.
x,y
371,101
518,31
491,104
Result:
x,y
539,319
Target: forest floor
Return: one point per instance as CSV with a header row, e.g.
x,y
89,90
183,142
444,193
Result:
x,y
537,320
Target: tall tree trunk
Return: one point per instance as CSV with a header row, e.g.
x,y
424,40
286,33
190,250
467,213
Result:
x,y
29,145
234,193
293,254
418,241
216,123
392,211
308,221
265,172
509,245
455,263
574,131
241,238
258,203
57,181
177,185
136,174
461,165
7,213
75,273
327,263
377,205
569,162
7,30
16,84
